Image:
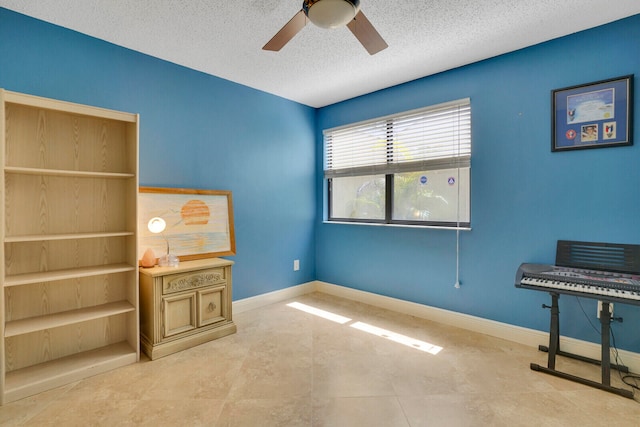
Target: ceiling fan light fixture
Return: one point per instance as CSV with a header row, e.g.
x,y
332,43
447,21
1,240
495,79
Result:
x,y
330,13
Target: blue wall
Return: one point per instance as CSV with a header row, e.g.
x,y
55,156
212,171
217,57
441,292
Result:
x,y
524,197
201,131
196,131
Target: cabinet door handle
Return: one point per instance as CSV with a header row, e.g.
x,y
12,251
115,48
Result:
x,y
212,306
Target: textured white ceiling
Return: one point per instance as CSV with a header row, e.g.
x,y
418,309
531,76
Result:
x,y
320,67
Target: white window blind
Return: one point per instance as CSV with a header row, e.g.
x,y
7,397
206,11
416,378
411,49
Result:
x,y
437,137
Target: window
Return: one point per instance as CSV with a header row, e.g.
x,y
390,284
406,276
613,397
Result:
x,y
409,168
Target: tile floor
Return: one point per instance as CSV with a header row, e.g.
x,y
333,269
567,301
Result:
x,y
288,367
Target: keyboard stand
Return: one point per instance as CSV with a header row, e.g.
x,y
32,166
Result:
x,y
605,363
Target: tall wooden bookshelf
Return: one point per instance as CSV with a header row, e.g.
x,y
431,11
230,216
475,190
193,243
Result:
x,y
69,301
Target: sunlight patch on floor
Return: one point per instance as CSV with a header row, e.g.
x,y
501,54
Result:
x,y
399,338
320,313
365,327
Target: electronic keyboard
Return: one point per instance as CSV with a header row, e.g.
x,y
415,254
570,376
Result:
x,y
602,285
608,272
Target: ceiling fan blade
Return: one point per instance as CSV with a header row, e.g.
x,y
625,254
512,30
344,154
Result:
x,y
287,32
366,34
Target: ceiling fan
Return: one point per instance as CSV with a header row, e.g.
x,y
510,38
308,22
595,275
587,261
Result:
x,y
330,14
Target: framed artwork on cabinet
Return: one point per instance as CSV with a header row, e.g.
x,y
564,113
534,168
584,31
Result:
x,y
593,115
199,223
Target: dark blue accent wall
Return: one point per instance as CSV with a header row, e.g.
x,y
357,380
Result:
x,y
196,131
524,197
200,131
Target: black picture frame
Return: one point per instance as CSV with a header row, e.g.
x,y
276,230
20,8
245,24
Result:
x,y
593,115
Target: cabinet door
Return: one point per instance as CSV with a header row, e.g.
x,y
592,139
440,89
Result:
x,y
211,305
179,313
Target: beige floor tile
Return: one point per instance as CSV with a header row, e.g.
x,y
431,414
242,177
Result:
x,y
455,409
359,412
369,367
266,413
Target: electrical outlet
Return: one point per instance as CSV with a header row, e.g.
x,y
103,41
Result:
x,y
600,308
296,264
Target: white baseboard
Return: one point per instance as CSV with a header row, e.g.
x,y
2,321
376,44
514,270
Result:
x,y
258,301
505,331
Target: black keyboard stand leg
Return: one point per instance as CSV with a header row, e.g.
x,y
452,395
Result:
x,y
554,332
554,349
605,322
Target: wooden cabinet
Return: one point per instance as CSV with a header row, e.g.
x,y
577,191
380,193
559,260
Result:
x,y
69,301
184,306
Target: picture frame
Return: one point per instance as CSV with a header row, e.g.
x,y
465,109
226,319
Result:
x,y
199,223
593,115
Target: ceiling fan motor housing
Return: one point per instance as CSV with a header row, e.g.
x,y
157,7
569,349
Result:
x,y
330,13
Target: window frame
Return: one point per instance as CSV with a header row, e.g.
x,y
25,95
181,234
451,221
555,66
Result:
x,y
455,162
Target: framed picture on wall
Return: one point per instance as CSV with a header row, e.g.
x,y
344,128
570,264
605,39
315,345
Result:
x,y
195,223
593,115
